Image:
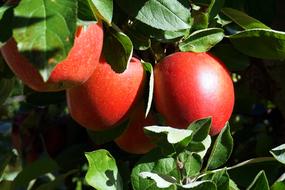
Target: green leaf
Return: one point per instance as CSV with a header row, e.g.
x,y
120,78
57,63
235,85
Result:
x,y
162,167
200,138
34,170
101,137
279,185
215,7
220,178
222,149
173,135
148,67
142,33
200,185
6,17
260,43
120,42
279,153
200,128
190,163
244,172
168,15
6,185
161,181
6,87
5,161
85,12
140,41
233,185
56,182
259,183
3,9
37,31
233,59
242,19
202,40
102,173
200,20
205,145
103,9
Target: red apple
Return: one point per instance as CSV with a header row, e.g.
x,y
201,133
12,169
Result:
x,y
189,86
107,97
133,139
74,70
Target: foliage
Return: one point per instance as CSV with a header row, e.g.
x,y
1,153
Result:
x,y
42,147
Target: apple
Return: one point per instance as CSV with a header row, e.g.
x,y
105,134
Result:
x,y
74,70
107,97
189,86
133,140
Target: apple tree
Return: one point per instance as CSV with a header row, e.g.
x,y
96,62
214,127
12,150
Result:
x,y
149,94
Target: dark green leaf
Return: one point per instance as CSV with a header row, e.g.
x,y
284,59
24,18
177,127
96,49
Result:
x,y
242,19
120,42
200,148
190,163
6,17
85,12
260,43
220,178
215,7
102,172
3,9
101,137
6,185
141,29
56,182
200,20
233,59
168,15
200,128
202,40
263,10
104,9
42,42
4,162
6,87
163,167
173,135
71,156
222,20
279,153
200,185
140,41
259,183
222,149
162,181
148,67
244,172
34,170
5,71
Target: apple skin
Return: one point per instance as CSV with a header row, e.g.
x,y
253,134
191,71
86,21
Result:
x,y
74,70
189,86
133,140
107,97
